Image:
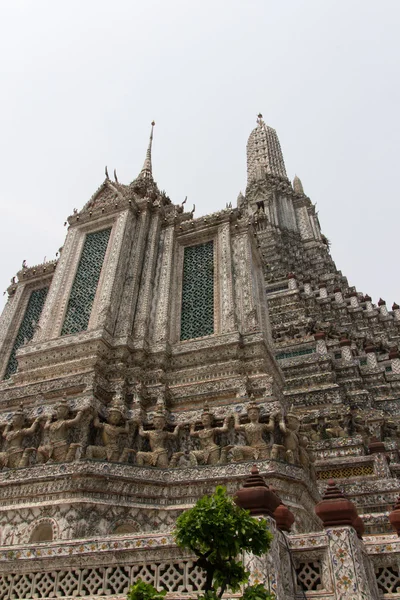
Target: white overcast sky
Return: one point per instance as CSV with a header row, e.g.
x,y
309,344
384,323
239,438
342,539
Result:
x,y
82,80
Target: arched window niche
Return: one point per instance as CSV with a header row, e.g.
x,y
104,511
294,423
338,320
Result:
x,y
125,528
43,532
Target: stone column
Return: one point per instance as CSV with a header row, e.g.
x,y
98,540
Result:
x,y
353,300
132,277
163,292
292,283
274,569
51,318
368,303
338,295
9,311
142,316
323,293
394,357
307,287
396,311
303,219
245,284
349,562
228,323
372,362
382,307
345,348
321,344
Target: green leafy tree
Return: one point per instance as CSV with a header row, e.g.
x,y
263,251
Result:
x,y
216,530
145,591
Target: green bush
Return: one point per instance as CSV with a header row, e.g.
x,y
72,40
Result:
x,y
217,531
144,591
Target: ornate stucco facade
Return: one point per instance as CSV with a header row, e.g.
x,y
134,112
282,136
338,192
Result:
x,y
161,355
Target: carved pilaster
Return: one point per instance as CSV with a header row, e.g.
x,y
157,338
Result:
x,y
348,558
9,313
146,285
134,268
106,282
163,290
274,569
244,284
226,284
56,298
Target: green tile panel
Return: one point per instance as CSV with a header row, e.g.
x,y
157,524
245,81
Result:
x,y
86,281
197,316
27,327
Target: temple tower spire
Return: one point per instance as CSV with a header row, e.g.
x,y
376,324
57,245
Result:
x,y
264,154
146,172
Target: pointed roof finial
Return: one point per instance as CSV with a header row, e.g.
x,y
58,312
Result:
x,y
260,119
297,185
146,171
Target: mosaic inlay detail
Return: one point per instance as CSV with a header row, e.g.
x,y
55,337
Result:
x,y
27,327
86,280
197,317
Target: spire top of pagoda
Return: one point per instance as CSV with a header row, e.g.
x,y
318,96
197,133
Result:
x,y
297,185
264,154
146,172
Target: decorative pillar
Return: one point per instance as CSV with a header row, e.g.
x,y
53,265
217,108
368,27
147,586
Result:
x,y
338,295
248,305
353,299
372,362
307,287
10,310
394,358
292,283
345,348
132,278
273,570
228,321
382,307
368,303
163,304
321,344
323,293
350,564
142,315
396,311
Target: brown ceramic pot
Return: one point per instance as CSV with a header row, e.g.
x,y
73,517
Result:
x,y
256,496
335,509
284,517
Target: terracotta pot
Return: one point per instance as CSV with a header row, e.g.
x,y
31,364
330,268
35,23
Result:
x,y
335,509
256,496
284,517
